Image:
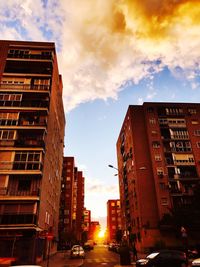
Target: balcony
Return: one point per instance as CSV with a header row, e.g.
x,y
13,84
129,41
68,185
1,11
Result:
x,y
24,87
175,149
25,54
25,66
12,194
184,162
21,165
18,219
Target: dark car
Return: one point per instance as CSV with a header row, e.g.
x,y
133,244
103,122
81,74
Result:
x,y
164,258
77,252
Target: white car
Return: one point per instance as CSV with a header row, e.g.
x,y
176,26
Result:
x,y
77,251
196,262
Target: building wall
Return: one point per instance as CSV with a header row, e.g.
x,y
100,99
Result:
x,y
113,219
30,73
158,162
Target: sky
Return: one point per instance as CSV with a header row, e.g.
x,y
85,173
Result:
x,y
111,54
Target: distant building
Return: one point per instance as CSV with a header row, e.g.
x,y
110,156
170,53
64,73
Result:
x,y
94,230
158,152
113,219
80,204
31,149
71,203
66,202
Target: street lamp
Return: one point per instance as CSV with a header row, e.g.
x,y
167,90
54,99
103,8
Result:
x,y
111,166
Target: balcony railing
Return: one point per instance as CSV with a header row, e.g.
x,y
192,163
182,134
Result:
x,y
31,56
180,149
11,86
21,165
184,162
18,219
13,192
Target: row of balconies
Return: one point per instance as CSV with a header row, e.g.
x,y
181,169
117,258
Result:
x,y
36,103
21,165
18,219
27,55
6,191
177,149
24,122
16,87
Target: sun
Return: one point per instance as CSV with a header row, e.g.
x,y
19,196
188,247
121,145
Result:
x,y
101,234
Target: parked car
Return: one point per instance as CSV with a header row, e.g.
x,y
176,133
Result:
x,y
77,251
114,247
89,245
196,262
164,258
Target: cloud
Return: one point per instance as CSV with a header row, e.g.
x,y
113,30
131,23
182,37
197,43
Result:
x,y
95,186
103,44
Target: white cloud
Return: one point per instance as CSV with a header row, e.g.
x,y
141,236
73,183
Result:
x,y
103,44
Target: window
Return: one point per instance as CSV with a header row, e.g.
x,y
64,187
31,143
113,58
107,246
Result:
x,y
113,219
68,178
112,204
155,144
9,118
157,157
7,135
164,201
194,122
197,132
10,97
160,171
152,121
192,110
27,160
198,144
174,111
113,227
112,211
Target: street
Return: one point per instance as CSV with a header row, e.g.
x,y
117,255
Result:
x,y
100,256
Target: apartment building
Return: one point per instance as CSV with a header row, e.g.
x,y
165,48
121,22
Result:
x,y
80,204
31,149
113,219
94,230
158,153
66,234
71,219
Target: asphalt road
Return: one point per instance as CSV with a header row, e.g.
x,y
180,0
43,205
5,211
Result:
x,y
98,257
101,257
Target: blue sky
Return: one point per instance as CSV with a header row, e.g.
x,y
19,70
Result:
x,y
123,52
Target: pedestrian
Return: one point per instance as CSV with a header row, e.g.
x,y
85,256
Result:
x,y
134,252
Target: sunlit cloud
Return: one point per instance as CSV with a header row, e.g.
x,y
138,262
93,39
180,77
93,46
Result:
x,y
96,186
104,45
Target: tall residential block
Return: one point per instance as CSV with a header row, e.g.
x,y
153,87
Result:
x,y
158,153
114,226
66,233
71,219
31,149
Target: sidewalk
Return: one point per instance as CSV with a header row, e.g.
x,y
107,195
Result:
x,y
62,259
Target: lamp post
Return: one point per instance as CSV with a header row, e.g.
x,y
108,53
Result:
x,y
111,166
